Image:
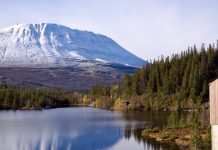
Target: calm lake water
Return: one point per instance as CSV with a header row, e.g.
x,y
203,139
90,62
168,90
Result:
x,y
79,129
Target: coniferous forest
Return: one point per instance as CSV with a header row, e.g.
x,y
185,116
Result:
x,y
177,82
30,98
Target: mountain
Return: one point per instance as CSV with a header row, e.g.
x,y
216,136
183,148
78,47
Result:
x,y
55,56
53,45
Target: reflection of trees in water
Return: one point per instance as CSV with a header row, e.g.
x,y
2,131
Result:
x,y
127,132
150,118
159,119
181,118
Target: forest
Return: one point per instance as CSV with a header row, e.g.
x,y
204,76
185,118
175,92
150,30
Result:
x,y
177,82
12,97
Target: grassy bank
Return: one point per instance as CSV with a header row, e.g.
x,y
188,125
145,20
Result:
x,y
183,137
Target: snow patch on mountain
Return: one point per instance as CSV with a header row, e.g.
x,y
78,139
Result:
x,y
57,45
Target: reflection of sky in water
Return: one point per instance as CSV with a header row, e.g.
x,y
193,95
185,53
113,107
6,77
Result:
x,y
68,128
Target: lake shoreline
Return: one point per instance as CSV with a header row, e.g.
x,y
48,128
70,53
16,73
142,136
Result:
x,y
180,136
46,108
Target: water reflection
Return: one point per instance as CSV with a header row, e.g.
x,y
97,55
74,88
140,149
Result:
x,y
58,129
78,129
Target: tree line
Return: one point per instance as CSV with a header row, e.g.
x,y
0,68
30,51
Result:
x,y
178,81
12,97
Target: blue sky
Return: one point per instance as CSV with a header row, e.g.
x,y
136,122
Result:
x,y
147,28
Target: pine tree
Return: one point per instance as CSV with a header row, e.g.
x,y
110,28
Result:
x,y
128,85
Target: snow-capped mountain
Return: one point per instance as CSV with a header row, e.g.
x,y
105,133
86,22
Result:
x,y
57,45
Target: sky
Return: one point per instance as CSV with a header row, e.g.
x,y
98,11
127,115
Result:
x,y
147,28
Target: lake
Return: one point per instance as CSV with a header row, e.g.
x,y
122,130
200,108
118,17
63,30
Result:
x,y
79,128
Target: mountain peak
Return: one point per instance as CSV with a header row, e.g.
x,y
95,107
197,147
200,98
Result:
x,y
47,44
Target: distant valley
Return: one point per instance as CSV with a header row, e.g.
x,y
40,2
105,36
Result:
x,y
67,78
